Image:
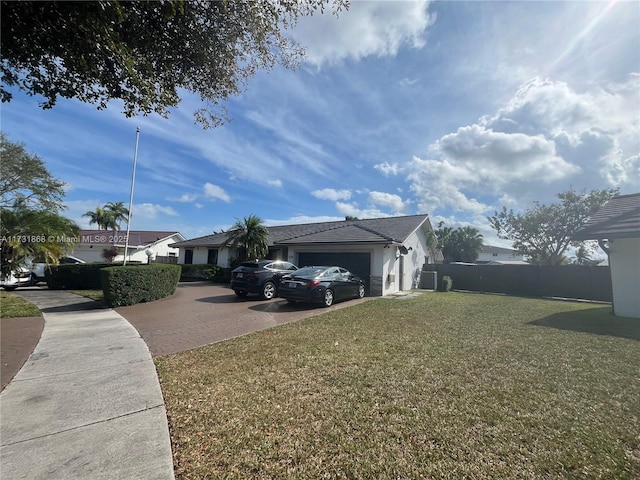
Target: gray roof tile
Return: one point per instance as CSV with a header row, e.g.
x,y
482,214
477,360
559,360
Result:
x,y
374,230
618,218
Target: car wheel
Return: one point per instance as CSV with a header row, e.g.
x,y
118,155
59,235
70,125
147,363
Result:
x,y
268,290
328,297
240,293
10,289
361,291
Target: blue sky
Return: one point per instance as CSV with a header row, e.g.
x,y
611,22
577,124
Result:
x,y
448,108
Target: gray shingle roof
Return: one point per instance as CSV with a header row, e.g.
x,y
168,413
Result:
x,y
618,218
374,230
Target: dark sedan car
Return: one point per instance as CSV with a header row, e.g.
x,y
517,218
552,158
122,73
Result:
x,y
260,276
321,285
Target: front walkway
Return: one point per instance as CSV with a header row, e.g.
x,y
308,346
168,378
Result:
x,y
87,403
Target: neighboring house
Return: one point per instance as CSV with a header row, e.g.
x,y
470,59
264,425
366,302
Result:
x,y
499,255
616,226
387,253
92,244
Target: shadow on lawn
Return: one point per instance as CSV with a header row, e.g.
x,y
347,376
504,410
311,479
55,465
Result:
x,y
599,321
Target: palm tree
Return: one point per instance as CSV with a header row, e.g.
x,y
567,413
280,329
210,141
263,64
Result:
x,y
109,216
116,213
35,234
470,241
97,216
251,235
460,245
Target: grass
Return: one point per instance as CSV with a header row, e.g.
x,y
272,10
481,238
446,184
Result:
x,y
13,306
442,386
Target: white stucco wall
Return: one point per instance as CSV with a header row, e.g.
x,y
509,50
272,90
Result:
x,y
92,252
624,260
405,269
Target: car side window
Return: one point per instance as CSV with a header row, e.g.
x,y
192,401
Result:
x,y
331,272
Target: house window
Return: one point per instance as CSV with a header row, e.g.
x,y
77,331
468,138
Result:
x,y
495,254
172,254
212,256
188,256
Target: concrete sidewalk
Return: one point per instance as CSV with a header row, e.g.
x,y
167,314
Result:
x,y
87,403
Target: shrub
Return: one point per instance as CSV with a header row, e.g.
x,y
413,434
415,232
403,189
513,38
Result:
x,y
77,276
197,271
136,284
446,284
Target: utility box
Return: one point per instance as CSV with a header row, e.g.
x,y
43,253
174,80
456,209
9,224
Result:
x,y
391,278
428,280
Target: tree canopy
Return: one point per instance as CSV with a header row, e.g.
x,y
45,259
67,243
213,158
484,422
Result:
x,y
251,235
30,201
543,233
25,180
109,216
462,244
143,52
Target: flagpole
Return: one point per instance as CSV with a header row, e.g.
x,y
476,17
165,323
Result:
x,y
133,179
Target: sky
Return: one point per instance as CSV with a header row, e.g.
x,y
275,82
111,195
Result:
x,y
452,109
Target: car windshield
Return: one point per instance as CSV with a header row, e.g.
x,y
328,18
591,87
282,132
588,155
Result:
x,y
309,271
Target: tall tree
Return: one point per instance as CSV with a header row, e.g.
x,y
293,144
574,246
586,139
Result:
x,y
143,52
251,235
460,245
97,216
543,233
25,180
108,217
31,226
36,235
116,213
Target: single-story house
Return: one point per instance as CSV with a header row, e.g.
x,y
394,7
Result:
x,y
499,255
616,226
388,253
92,243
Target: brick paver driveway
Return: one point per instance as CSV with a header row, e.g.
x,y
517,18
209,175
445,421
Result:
x,y
202,313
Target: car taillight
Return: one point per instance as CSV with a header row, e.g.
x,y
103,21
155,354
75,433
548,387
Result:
x,y
313,283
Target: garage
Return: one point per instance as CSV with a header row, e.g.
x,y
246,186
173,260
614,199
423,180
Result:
x,y
356,262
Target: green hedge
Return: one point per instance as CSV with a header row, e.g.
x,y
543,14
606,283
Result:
x,y
78,276
136,284
202,271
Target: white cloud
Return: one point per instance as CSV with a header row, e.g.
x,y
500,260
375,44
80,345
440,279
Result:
x,y
352,210
547,138
388,168
275,183
215,192
390,200
332,194
366,29
185,198
149,211
302,219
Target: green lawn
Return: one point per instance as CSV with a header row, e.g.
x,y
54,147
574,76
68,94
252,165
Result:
x,y
445,385
12,306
